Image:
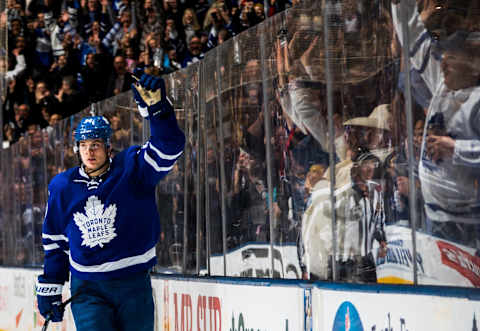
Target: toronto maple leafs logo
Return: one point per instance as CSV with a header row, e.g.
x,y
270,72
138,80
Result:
x,y
97,224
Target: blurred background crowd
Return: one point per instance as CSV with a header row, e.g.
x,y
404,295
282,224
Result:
x,y
66,54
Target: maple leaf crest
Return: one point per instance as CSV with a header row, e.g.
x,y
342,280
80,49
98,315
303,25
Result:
x,y
97,224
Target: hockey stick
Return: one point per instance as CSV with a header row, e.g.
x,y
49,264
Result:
x,y
62,306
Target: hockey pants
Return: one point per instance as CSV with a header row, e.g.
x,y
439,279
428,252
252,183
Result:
x,y
121,304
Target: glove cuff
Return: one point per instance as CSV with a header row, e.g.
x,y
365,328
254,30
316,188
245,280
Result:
x,y
161,109
143,111
45,289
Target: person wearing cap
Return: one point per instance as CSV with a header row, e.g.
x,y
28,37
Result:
x,y
446,55
102,223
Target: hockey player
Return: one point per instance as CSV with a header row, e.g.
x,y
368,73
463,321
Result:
x,y
102,223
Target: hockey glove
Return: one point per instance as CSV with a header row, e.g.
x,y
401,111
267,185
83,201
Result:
x,y
150,95
49,298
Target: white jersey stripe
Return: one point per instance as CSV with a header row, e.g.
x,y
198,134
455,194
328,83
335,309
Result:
x,y
162,155
115,265
154,164
50,247
143,111
54,237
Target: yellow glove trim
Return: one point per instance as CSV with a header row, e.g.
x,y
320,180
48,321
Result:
x,y
149,97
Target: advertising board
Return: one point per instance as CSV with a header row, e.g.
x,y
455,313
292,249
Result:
x,y
216,306
18,303
196,304
355,311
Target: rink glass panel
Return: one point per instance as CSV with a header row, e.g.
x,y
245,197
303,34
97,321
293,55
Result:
x,y
298,121
2,206
170,193
7,201
39,151
227,70
212,163
23,183
182,251
248,223
11,210
368,158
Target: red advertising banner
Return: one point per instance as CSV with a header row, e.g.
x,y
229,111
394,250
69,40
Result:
x,y
460,260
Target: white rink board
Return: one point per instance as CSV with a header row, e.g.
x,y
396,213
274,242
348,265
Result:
x,y
216,306
18,304
231,305
261,307
343,310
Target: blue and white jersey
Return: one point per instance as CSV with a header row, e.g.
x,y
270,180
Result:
x,y
451,187
107,227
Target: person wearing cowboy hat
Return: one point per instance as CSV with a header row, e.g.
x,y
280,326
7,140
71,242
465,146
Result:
x,y
372,133
374,130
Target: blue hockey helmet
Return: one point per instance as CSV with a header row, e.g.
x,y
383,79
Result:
x,y
93,127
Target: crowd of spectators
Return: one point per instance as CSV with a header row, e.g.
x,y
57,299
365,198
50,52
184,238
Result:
x,y
66,54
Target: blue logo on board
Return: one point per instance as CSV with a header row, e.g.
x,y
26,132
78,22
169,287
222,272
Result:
x,y
347,318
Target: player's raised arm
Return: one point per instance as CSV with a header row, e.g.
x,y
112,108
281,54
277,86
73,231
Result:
x,y
158,155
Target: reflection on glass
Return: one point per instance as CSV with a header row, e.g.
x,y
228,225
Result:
x,y
361,43
363,70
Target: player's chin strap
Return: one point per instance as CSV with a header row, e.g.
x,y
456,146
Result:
x,y
107,160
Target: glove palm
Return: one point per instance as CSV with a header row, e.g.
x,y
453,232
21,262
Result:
x,y
150,95
51,307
